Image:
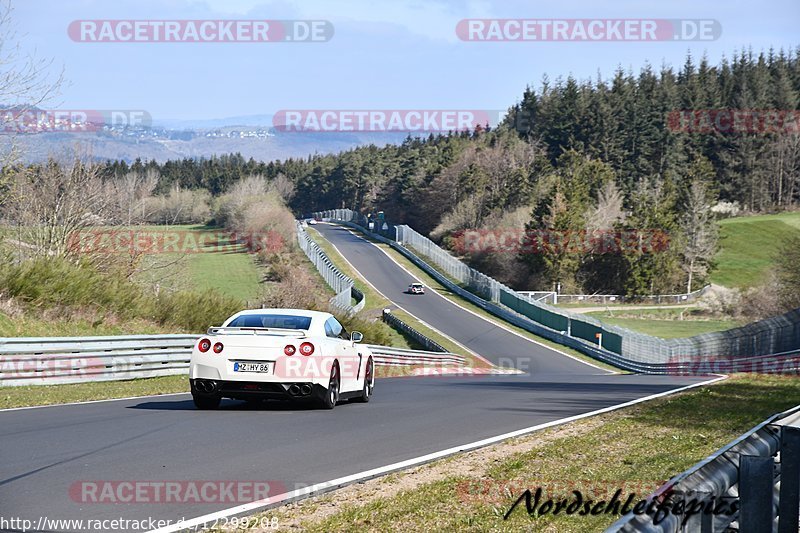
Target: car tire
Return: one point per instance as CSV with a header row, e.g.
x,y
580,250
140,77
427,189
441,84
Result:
x,y
329,397
369,382
206,402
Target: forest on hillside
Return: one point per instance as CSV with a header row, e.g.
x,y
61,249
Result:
x,y
573,157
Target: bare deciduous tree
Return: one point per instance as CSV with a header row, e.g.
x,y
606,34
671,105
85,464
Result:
x,y
51,203
283,186
129,195
180,206
26,82
609,208
699,231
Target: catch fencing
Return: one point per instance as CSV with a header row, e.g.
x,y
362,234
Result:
x,y
342,285
60,360
552,297
746,470
619,346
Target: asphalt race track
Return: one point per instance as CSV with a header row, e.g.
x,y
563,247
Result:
x,y
46,451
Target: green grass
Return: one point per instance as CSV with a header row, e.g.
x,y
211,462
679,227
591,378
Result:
x,y
224,265
33,326
667,329
636,449
748,246
664,323
80,392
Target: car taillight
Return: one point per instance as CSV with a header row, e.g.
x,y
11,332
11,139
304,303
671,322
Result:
x,y
218,347
204,345
289,349
306,348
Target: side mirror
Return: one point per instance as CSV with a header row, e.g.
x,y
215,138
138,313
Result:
x,y
356,336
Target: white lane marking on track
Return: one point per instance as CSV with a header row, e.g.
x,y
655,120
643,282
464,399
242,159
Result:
x,y
491,321
320,488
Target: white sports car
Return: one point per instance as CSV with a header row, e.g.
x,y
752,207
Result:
x,y
281,354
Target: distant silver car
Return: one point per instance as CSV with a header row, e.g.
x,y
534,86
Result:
x,y
416,288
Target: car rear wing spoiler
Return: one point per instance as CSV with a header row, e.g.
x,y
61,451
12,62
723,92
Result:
x,y
299,333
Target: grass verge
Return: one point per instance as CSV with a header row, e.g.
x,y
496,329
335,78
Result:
x,y
213,260
748,246
636,449
664,323
36,326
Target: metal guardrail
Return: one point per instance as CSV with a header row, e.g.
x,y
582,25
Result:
x,y
399,356
50,361
342,285
423,340
618,346
501,312
61,360
768,492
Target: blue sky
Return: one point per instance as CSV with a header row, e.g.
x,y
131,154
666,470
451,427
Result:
x,y
384,55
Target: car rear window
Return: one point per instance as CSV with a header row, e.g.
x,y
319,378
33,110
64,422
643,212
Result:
x,y
271,321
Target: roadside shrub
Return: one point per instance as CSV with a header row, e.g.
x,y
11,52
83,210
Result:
x,y
56,284
48,282
194,311
375,331
296,291
180,206
254,207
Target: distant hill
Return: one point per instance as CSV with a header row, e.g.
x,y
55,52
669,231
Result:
x,y
264,120
164,139
191,143
748,246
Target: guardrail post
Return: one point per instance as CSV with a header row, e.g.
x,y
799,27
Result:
x,y
756,481
706,523
701,522
789,506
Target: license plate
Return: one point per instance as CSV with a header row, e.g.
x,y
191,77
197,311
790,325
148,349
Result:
x,y
264,368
